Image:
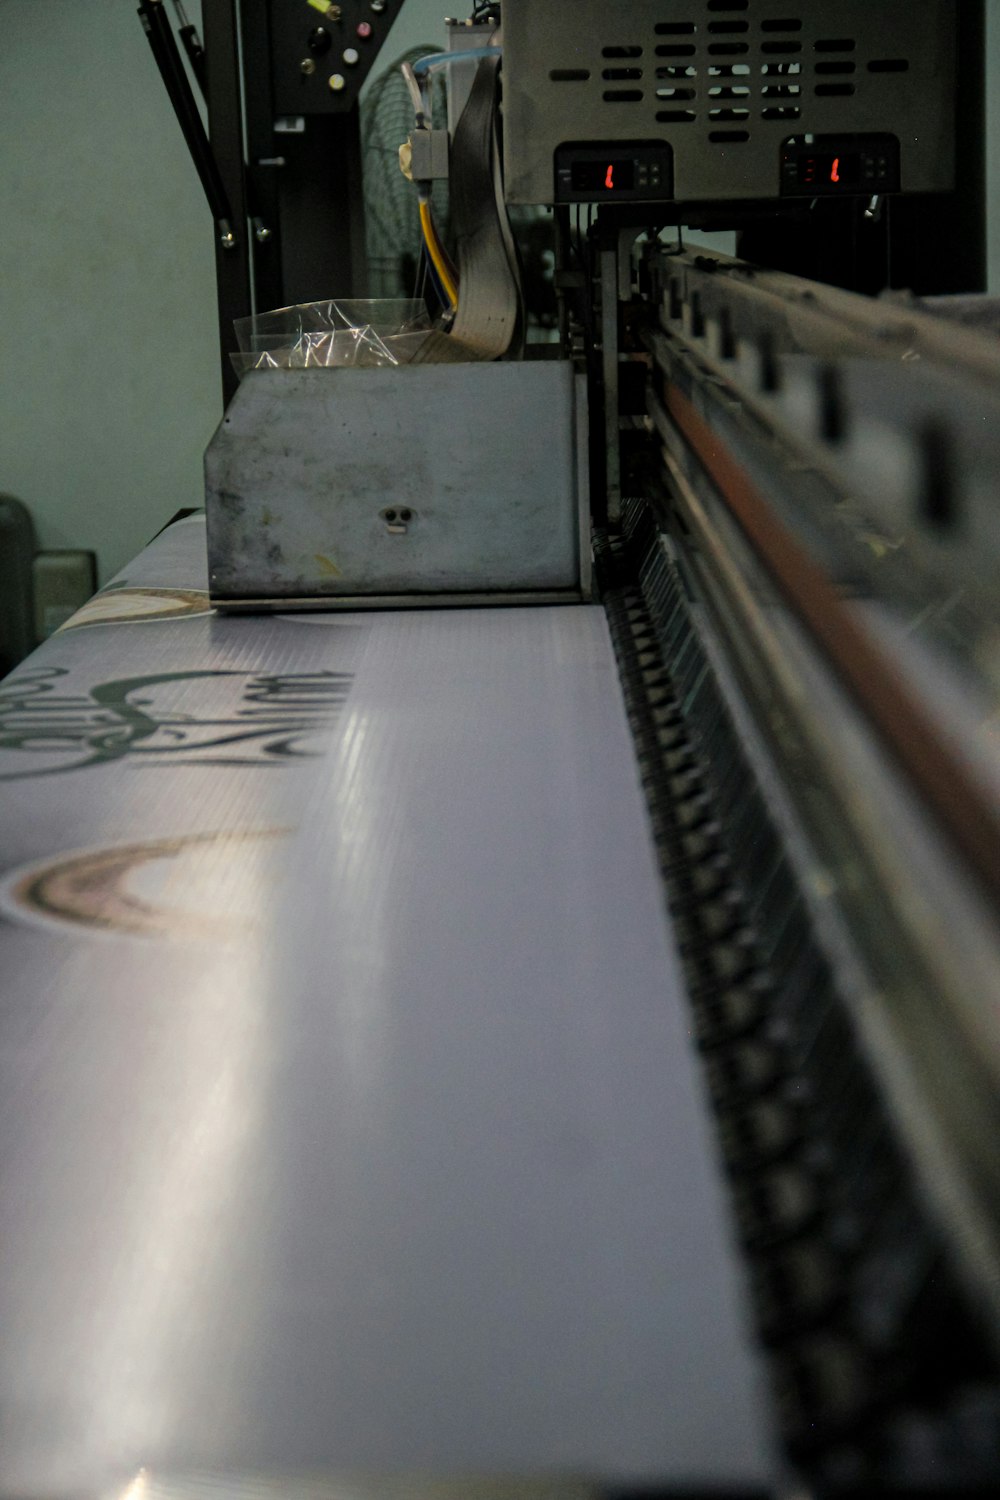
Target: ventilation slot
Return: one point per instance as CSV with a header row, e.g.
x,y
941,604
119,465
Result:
x,y
889,65
675,94
676,51
780,49
835,67
729,70
728,137
728,4
569,75
733,91
788,112
729,114
834,90
675,116
623,96
841,44
675,28
728,49
621,75
730,28
781,25
781,70
621,51
780,91
678,71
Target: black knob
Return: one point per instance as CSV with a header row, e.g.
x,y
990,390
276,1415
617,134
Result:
x,y
319,41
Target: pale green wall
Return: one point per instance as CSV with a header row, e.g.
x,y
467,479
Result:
x,y
109,381
109,384
421,21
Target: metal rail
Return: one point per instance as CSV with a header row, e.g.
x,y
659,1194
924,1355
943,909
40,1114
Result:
x,y
789,364
963,806
770,396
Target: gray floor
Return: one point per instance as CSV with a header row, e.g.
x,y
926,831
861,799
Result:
x,y
350,1118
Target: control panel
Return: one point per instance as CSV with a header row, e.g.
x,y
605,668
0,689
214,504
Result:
x,y
322,53
625,171
814,166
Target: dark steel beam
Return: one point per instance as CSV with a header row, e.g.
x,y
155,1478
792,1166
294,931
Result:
x,y
220,24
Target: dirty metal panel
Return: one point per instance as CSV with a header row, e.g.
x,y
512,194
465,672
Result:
x,y
420,480
350,1119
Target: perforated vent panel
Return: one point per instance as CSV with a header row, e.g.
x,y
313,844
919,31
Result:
x,y
723,82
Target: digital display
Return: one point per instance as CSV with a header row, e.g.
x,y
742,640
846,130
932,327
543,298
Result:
x,y
818,166
597,172
603,176
829,170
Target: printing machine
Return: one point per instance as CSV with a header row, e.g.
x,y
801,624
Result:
x,y
745,508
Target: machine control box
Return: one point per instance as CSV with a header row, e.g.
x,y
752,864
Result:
x,y
321,53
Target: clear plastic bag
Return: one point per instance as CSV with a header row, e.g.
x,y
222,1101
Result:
x,y
311,335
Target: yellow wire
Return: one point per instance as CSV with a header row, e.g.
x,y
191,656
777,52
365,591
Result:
x,y
436,253
444,253
440,256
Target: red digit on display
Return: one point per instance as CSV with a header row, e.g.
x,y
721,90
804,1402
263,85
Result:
x,y
609,181
835,170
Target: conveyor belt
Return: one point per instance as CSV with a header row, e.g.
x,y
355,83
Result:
x,y
350,1117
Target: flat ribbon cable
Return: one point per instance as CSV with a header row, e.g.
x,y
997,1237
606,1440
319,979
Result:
x,y
489,318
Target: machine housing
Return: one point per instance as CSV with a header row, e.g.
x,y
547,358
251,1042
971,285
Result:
x,y
716,92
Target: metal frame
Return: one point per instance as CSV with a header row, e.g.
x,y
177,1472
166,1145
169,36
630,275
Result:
x,y
233,268
853,719
296,195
